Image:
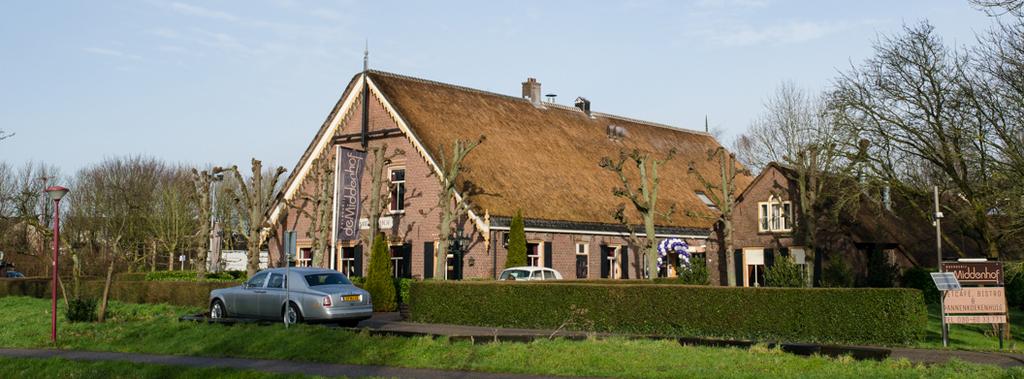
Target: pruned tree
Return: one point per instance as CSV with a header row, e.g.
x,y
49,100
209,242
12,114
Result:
x,y
643,196
253,197
452,201
380,187
315,206
202,182
723,195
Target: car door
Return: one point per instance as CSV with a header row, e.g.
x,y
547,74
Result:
x,y
246,303
269,303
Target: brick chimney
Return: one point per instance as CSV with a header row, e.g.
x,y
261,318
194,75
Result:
x,y
531,90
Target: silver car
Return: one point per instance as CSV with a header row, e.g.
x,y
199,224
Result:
x,y
308,294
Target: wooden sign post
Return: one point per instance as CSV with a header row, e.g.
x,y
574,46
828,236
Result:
x,y
983,302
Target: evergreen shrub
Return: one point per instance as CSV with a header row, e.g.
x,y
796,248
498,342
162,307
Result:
x,y
379,281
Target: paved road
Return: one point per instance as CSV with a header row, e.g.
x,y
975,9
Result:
x,y
267,365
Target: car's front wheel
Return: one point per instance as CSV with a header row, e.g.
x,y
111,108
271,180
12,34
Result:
x,y
291,314
217,310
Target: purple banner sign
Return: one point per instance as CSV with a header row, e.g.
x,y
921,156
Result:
x,y
350,179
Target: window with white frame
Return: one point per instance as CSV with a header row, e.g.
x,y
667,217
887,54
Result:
x,y
397,177
304,258
533,257
775,215
348,261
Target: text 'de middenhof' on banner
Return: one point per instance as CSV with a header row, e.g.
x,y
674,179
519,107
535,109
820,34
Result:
x,y
350,179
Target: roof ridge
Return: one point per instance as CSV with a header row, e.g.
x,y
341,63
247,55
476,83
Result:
x,y
555,105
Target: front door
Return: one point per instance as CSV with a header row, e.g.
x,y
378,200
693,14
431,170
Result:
x,y
247,300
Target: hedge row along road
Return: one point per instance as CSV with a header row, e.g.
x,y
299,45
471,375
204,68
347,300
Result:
x,y
831,315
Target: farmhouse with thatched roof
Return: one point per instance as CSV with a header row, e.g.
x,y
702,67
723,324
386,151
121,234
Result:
x,y
538,157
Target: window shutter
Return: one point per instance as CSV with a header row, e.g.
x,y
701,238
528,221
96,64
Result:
x,y
357,263
737,258
547,255
581,267
605,267
624,256
428,260
769,259
407,260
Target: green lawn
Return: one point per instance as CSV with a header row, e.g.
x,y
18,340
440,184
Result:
x,y
979,337
15,368
155,329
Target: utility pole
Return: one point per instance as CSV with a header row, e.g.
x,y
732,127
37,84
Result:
x,y
938,255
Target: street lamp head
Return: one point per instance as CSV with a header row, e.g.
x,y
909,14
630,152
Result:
x,y
56,192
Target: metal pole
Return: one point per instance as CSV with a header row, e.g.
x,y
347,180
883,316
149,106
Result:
x,y
938,254
56,246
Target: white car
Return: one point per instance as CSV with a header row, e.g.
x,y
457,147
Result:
x,y
529,273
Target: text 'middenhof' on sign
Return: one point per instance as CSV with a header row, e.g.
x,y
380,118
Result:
x,y
976,273
973,300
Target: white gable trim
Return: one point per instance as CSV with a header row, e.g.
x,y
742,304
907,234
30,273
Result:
x,y
404,126
324,142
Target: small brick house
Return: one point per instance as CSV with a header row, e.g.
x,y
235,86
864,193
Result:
x,y
538,157
766,224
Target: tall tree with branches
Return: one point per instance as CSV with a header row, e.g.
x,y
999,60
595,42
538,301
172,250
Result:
x,y
452,201
643,196
253,198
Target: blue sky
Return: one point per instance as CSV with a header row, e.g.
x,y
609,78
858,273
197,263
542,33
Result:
x,y
223,81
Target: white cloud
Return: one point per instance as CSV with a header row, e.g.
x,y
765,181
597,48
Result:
x,y
111,53
194,10
790,32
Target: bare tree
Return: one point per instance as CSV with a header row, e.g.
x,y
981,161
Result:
x,y
173,220
452,201
909,98
723,195
202,181
316,206
642,196
1000,7
380,187
254,197
5,134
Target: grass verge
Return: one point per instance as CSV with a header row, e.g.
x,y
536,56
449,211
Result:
x,y
16,368
155,329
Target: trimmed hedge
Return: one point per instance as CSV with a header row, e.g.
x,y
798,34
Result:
x,y
151,292
873,316
192,276
402,286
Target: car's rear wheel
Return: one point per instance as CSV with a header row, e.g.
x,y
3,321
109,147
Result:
x,y
217,310
291,314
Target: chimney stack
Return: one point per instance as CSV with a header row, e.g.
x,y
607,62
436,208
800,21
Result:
x,y
584,105
531,90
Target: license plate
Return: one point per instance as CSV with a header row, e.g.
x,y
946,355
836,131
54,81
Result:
x,y
350,298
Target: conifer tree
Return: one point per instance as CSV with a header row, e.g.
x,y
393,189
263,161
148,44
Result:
x,y
516,242
379,282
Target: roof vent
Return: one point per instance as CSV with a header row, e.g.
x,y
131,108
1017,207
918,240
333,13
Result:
x,y
583,104
616,132
531,90
551,97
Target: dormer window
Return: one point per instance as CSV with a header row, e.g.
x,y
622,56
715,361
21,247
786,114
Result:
x,y
706,200
774,216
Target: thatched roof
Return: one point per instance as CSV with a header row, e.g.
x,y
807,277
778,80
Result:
x,y
544,160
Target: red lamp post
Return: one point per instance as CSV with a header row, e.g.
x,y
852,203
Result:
x,y
56,193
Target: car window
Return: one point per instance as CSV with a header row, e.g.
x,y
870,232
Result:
x,y
536,275
276,281
326,278
257,281
549,275
516,274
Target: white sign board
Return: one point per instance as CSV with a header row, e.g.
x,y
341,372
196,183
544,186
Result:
x,y
386,222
